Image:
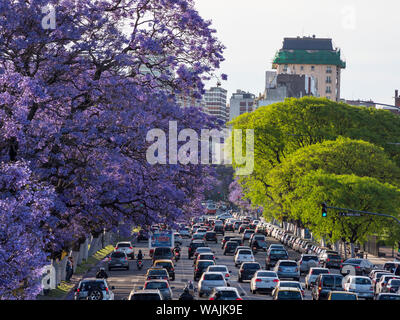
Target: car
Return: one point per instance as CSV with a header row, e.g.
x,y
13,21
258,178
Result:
x,y
118,259
287,294
194,245
287,269
246,235
330,260
145,295
166,264
388,296
393,286
243,255
359,284
142,235
341,295
184,232
177,238
247,270
372,273
211,236
243,227
220,268
326,283
225,293
383,282
377,277
307,261
274,255
257,242
289,284
219,229
312,276
264,280
200,267
225,239
238,240
200,250
126,247
162,286
204,256
276,246
210,280
162,253
157,273
199,236
93,289
241,247
391,266
236,225
230,247
361,266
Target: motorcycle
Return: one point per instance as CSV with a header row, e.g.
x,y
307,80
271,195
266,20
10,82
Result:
x,y
177,256
139,264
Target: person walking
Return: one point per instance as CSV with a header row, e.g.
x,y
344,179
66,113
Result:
x,y
69,269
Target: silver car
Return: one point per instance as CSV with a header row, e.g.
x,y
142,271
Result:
x,y
360,285
161,285
118,259
313,275
209,281
93,289
126,247
287,269
308,261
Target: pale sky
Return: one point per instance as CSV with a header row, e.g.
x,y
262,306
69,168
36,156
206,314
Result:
x,y
367,31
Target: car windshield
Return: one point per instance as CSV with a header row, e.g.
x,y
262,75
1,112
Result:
x,y
251,266
288,284
395,282
88,285
288,264
162,251
159,272
163,264
289,295
228,294
334,256
363,281
343,296
278,252
206,256
123,245
203,264
156,285
267,274
318,271
144,296
217,269
329,281
389,297
353,261
310,258
245,252
118,255
213,277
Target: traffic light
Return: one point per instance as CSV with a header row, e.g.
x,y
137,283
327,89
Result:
x,y
324,210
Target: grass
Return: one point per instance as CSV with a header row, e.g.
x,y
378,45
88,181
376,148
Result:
x,y
93,260
64,287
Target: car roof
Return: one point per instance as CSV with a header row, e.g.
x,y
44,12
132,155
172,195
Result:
x,y
92,279
212,272
149,291
288,289
227,289
318,268
156,280
163,260
219,265
287,261
344,292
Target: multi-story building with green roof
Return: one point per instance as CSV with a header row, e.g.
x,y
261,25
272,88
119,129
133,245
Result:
x,y
314,57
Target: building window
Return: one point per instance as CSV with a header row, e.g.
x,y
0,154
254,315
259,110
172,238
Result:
x,y
242,109
328,69
250,104
302,68
312,68
328,79
328,89
242,103
250,109
285,68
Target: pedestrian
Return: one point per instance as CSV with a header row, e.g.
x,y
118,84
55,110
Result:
x,y
69,269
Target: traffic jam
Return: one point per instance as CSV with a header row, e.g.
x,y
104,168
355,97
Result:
x,y
225,255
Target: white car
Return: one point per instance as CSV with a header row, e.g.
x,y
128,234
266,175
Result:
x,y
383,282
243,255
220,268
313,274
264,280
209,281
126,247
360,285
185,233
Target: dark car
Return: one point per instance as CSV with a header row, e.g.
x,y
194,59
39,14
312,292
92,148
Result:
x,y
326,283
246,235
118,259
142,236
361,266
219,229
331,260
258,242
230,247
211,236
243,227
247,270
194,245
236,225
200,267
238,240
228,226
225,239
273,256
162,253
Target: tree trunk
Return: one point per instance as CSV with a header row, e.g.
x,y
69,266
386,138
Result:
x,y
352,250
345,250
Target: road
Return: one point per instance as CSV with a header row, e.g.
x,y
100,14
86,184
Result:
x,y
126,280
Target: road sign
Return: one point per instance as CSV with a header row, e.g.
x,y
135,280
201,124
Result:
x,y
349,214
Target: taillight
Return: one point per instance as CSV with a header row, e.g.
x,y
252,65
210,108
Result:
x,y
116,248
190,249
239,299
276,280
172,269
227,275
131,248
78,290
196,270
126,258
106,289
327,260
211,298
258,280
357,267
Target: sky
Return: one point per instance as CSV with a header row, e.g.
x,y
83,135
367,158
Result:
x,y
366,31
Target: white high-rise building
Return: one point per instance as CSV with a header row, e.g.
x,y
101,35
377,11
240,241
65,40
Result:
x,y
214,101
241,102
